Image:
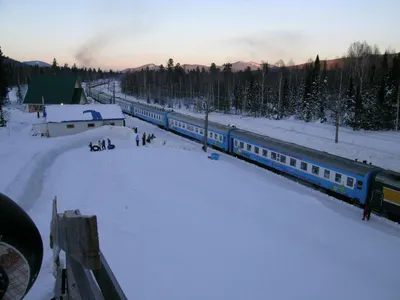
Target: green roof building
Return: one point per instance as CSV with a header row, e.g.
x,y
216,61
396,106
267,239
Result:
x,y
49,89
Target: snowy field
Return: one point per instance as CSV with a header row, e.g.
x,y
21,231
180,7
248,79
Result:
x,y
380,148
176,225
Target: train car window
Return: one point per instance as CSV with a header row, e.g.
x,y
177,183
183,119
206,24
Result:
x,y
90,125
256,150
183,126
201,132
70,126
241,145
338,177
210,134
215,136
327,174
283,159
303,166
293,162
197,130
265,153
220,137
236,143
359,185
248,147
350,181
180,124
273,155
315,170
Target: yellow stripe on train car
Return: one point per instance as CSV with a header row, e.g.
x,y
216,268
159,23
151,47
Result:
x,y
391,196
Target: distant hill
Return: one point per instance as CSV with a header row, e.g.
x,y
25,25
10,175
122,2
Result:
x,y
37,63
236,66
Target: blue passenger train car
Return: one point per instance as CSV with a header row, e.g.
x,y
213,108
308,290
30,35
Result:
x,y
341,175
194,127
151,114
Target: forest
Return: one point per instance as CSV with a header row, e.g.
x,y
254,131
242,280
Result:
x,y
15,73
360,90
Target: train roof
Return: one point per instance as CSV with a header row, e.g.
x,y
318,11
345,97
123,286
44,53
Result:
x,y
199,122
298,151
149,107
389,177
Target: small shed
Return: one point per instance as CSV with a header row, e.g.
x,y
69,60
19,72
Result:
x,y
63,120
54,89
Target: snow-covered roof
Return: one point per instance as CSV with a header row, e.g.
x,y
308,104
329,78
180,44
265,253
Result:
x,y
87,112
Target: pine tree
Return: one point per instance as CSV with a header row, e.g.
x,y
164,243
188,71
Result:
x,y
3,88
20,98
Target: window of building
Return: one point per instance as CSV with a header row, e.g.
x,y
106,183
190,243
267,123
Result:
x,y
70,126
90,125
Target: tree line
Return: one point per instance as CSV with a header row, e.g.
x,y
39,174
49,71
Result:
x,y
360,90
15,73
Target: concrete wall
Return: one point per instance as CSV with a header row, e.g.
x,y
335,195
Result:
x,y
68,128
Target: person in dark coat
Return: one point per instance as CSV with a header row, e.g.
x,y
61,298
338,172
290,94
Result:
x,y
108,142
137,140
103,145
144,139
91,146
366,212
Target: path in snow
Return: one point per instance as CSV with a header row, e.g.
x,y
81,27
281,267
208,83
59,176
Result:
x,y
27,187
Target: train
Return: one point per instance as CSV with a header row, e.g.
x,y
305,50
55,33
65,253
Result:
x,y
357,182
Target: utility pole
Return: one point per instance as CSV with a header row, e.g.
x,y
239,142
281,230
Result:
x,y
338,108
113,92
206,121
398,107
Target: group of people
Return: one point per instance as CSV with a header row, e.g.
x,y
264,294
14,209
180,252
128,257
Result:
x,y
101,145
145,139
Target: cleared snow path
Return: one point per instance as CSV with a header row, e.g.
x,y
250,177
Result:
x,y
27,187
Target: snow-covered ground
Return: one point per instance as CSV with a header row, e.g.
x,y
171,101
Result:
x,y
379,148
176,225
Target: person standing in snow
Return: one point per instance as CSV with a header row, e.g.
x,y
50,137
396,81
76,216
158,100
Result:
x,y
137,140
144,139
103,145
99,144
91,146
366,212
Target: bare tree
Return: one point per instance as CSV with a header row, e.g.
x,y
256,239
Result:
x,y
359,57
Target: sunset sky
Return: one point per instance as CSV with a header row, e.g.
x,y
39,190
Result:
x,y
121,33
